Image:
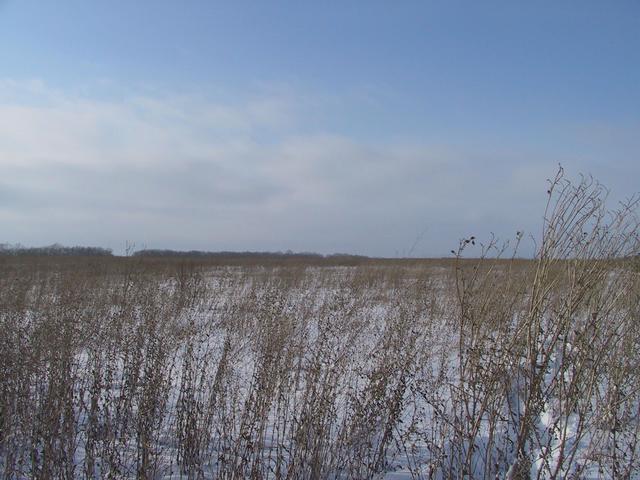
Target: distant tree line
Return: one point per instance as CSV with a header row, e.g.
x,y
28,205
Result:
x,y
304,257
248,255
54,250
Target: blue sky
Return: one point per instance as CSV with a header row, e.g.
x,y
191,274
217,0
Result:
x,y
325,126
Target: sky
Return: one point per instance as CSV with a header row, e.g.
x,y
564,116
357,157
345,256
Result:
x,y
377,128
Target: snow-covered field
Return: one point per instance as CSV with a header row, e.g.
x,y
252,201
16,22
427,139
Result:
x,y
378,371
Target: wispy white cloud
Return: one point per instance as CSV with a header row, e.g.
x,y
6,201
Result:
x,y
40,126
186,171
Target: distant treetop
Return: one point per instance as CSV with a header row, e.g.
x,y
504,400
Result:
x,y
55,250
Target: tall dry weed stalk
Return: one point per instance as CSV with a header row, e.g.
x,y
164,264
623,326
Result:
x,y
541,350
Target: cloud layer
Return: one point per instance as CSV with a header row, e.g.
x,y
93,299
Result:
x,y
191,172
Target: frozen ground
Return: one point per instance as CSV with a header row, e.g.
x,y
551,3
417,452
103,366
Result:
x,y
343,372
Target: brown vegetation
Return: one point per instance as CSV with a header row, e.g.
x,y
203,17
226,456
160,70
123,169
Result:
x,y
156,367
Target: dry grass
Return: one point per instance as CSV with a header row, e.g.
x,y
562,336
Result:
x,y
463,368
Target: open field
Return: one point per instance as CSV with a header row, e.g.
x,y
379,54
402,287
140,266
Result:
x,y
173,370
149,367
